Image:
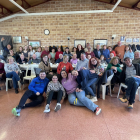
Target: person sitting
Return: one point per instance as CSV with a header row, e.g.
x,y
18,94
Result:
x,y
22,59
83,63
111,51
26,53
106,54
51,60
115,66
45,65
137,57
35,93
97,51
79,51
33,60
5,50
74,59
60,51
65,65
119,50
53,53
15,56
67,52
89,52
89,57
12,70
31,51
20,51
131,77
128,53
102,61
60,59
46,51
73,50
38,53
54,91
76,96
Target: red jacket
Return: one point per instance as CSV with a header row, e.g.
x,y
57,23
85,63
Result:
x,y
67,65
44,52
57,54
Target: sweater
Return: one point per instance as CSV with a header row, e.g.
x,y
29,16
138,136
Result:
x,y
52,55
106,53
38,55
11,67
81,64
57,54
69,84
92,54
67,65
136,61
129,54
38,85
79,53
45,67
44,53
55,87
2,68
83,77
74,61
110,65
120,50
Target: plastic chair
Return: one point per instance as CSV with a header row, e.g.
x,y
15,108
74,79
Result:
x,y
107,84
10,79
29,78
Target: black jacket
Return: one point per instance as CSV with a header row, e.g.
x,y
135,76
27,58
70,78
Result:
x,y
96,53
20,61
123,73
79,53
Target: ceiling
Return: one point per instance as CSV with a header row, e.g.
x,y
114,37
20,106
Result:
x,y
7,8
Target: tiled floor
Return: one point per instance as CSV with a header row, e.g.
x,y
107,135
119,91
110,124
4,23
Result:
x,y
115,122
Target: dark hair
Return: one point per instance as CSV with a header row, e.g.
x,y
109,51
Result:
x,y
73,49
61,75
61,47
83,53
68,51
128,47
29,48
126,58
42,71
91,66
81,47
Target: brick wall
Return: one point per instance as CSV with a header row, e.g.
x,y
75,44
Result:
x,y
79,26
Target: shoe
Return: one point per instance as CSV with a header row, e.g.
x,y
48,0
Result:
x,y
93,99
98,111
16,111
58,107
130,106
21,82
123,100
88,96
47,109
16,91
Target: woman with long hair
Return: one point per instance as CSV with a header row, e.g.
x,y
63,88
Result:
x,y
79,51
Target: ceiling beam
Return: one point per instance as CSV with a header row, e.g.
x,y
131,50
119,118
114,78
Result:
x,y
136,4
113,1
3,7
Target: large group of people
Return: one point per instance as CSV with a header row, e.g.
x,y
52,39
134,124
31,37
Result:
x,y
79,83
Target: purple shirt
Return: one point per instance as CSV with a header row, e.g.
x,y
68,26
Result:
x,y
72,61
69,84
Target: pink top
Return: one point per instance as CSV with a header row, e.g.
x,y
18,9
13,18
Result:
x,y
69,84
72,61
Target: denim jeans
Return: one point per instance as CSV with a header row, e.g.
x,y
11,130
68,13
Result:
x,y
90,87
132,85
14,77
82,100
2,57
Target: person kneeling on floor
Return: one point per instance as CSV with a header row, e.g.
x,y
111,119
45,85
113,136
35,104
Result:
x,y
131,77
35,92
54,91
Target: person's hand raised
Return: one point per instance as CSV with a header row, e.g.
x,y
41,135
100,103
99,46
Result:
x,y
2,39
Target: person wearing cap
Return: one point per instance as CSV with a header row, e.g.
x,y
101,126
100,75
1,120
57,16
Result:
x,y
131,77
67,52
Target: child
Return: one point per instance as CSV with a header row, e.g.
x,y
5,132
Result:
x,y
54,91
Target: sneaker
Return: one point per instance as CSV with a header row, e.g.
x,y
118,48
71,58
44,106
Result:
x,y
130,106
16,111
123,100
58,107
98,111
47,109
16,91
88,96
93,99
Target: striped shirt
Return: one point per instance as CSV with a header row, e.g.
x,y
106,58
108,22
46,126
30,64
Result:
x,y
55,87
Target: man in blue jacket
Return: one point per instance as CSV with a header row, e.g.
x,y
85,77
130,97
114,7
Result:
x,y
35,93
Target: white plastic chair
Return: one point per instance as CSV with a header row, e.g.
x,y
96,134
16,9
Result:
x,y
10,79
107,84
33,75
125,86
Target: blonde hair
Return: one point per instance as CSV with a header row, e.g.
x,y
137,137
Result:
x,y
114,59
10,58
65,57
